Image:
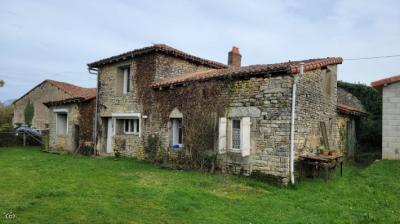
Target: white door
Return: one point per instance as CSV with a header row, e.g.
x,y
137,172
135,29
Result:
x,y
109,135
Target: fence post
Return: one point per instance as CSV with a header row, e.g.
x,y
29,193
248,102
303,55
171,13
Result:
x,y
24,139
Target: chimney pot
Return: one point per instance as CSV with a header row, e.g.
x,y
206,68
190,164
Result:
x,y
234,57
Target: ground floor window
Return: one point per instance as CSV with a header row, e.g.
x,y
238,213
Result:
x,y
62,123
177,135
131,126
236,134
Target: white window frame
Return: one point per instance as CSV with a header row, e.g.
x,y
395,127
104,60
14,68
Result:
x,y
175,131
124,116
240,137
136,126
58,114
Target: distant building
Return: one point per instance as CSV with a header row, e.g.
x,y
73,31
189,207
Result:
x,y
390,89
71,121
48,90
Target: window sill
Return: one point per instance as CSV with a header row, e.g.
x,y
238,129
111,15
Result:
x,y
130,133
177,146
236,150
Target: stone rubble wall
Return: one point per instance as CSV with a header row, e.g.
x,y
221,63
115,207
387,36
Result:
x,y
43,93
66,143
266,99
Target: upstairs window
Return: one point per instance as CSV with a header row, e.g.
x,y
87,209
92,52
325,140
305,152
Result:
x,y
127,80
123,80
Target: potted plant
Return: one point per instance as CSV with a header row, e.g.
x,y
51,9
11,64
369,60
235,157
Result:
x,y
333,152
323,150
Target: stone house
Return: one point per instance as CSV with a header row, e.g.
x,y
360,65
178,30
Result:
x,y
71,120
349,113
390,89
48,90
237,116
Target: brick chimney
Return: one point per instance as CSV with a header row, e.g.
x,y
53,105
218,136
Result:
x,y
234,57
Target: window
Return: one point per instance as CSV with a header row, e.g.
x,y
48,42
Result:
x,y
127,80
131,126
236,134
123,80
62,123
177,136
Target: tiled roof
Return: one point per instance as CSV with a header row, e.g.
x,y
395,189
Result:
x,y
75,91
349,110
80,96
72,90
380,83
291,67
162,48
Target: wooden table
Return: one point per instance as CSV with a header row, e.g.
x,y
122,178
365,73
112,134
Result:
x,y
320,161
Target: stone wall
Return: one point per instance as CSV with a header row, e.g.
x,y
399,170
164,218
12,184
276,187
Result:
x,y
391,122
67,142
270,127
168,67
342,132
316,102
344,97
265,99
144,70
43,93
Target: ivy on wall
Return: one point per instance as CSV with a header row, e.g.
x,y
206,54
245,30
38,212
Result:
x,y
28,113
370,129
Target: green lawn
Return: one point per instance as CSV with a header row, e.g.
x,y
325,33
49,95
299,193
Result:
x,y
39,187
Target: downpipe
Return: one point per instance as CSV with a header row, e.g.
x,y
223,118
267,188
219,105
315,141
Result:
x,y
95,71
292,126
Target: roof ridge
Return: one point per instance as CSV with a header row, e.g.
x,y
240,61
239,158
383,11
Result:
x,y
163,48
290,67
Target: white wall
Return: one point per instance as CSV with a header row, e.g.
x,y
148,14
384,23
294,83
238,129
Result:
x,y
391,122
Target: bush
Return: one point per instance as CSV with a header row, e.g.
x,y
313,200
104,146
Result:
x,y
86,150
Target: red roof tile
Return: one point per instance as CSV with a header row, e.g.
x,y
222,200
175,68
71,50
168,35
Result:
x,y
349,110
291,67
75,91
380,83
72,90
162,48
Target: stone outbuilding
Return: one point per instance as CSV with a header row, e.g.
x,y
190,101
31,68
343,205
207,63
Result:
x,y
390,89
71,121
161,103
48,90
350,111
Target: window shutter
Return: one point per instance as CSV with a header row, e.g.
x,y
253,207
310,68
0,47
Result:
x,y
222,135
246,136
125,81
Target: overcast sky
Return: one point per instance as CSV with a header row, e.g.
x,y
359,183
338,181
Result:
x,y
55,39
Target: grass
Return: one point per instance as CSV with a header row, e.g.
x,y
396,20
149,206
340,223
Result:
x,y
39,187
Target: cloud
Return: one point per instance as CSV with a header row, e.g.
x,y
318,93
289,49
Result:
x,y
55,39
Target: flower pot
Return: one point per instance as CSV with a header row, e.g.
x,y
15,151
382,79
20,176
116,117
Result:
x,y
333,153
325,152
